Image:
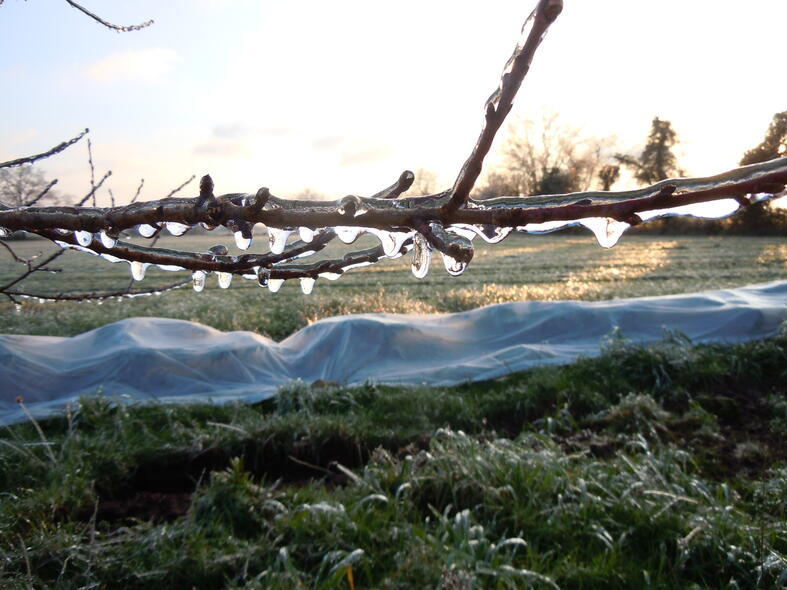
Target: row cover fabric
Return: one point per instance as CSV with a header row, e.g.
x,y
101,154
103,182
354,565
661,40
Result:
x,y
179,361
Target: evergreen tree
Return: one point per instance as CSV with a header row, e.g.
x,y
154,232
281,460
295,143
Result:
x,y
762,218
656,162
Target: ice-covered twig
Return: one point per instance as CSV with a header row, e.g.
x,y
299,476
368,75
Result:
x,y
109,25
55,150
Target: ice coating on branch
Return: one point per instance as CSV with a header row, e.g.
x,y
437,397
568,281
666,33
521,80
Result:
x,y
84,238
137,270
492,234
306,234
170,267
275,284
107,240
357,265
264,276
277,238
709,210
241,241
463,231
453,266
175,228
544,228
331,276
390,241
307,285
3,232
347,234
422,255
606,229
110,258
198,280
146,230
225,278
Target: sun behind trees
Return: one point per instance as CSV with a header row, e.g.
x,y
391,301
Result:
x,y
446,221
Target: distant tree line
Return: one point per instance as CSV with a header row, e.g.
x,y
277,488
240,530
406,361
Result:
x,y
552,158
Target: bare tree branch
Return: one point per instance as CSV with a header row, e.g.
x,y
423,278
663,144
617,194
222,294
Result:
x,y
98,19
55,150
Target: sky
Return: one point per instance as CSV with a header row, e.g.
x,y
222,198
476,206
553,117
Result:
x,y
340,97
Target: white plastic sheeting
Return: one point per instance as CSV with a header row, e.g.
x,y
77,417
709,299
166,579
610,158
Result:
x,y
179,361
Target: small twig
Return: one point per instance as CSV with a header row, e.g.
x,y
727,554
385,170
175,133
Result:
x,y
97,295
12,253
92,192
139,190
404,182
98,19
55,150
175,190
92,171
41,195
30,270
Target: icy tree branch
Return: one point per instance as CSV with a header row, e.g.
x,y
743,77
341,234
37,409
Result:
x,y
446,221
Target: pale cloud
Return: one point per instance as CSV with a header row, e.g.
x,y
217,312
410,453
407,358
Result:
x,y
143,64
364,153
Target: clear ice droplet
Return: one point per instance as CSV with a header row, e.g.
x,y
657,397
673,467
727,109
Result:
x,y
422,255
107,240
225,278
198,280
307,285
84,238
306,234
277,238
453,266
175,228
138,270
146,230
606,229
4,232
275,284
241,241
347,234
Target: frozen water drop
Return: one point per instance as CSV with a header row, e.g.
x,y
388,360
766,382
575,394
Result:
x,y
264,276
241,241
84,238
422,255
462,231
606,229
307,285
198,280
146,230
306,234
138,270
4,233
453,266
107,240
218,250
175,228
347,234
275,284
493,234
277,238
225,278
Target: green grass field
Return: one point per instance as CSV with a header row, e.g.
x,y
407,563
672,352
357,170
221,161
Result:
x,y
522,267
661,467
